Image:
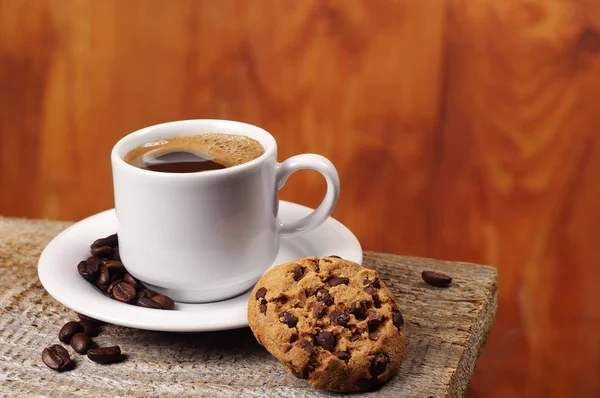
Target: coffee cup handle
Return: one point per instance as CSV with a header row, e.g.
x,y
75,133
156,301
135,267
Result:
x,y
319,216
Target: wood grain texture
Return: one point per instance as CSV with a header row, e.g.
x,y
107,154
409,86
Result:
x,y
463,130
442,348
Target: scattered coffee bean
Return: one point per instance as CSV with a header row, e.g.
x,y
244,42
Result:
x,y
81,343
359,309
319,310
338,280
116,254
306,346
354,337
132,281
124,292
379,364
298,272
104,354
344,356
263,306
373,319
436,279
326,340
324,296
289,319
102,251
90,328
111,240
261,293
146,293
165,302
339,318
398,320
147,302
88,270
56,357
68,330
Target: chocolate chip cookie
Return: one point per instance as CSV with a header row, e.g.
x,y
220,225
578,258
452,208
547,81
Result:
x,y
329,321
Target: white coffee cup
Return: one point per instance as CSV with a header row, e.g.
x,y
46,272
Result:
x,y
210,235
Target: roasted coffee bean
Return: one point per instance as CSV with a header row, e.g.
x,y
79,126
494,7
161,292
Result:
x,y
147,302
146,293
68,330
90,328
102,251
298,272
373,319
339,318
87,318
306,346
398,320
359,309
289,319
344,356
338,280
379,364
436,279
123,292
374,336
56,357
261,293
263,306
319,310
111,240
112,285
326,340
89,271
116,276
334,256
103,276
324,296
104,354
354,337
363,384
114,266
165,302
116,254
132,281
81,343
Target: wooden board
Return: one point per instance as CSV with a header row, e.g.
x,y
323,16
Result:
x,y
446,331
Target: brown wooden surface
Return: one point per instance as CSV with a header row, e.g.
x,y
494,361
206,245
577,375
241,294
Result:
x,y
465,130
446,331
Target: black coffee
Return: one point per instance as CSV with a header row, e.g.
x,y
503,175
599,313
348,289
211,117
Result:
x,y
195,153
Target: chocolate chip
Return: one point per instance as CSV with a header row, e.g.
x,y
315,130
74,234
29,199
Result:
x,y
111,240
374,319
89,327
263,306
398,320
339,318
324,296
147,302
56,358
344,356
359,309
334,256
379,364
81,343
338,280
354,337
376,301
146,293
293,337
372,282
306,346
261,293
310,291
165,302
319,310
289,319
132,281
68,330
102,251
374,336
436,279
123,292
326,340
104,354
89,270
371,290
298,272
363,384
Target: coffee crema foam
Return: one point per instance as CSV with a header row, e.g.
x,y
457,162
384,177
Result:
x,y
226,149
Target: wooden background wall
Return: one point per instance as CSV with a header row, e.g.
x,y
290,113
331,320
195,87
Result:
x,y
462,129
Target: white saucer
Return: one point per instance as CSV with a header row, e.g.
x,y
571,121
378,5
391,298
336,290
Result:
x,y
57,272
